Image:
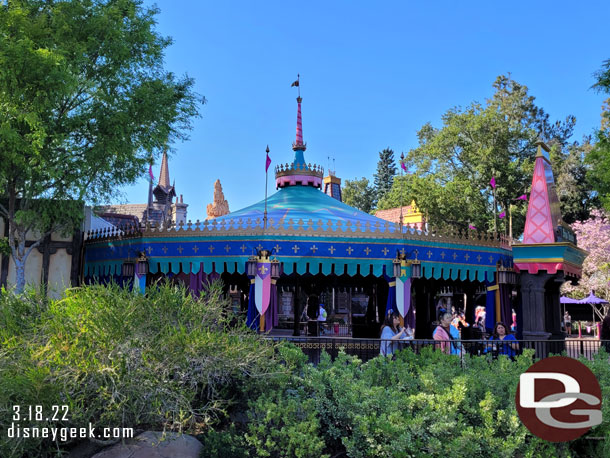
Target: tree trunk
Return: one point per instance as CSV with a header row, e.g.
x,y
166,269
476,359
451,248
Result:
x,y
16,237
19,273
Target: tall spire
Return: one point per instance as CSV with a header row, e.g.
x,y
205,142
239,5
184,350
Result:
x,y
299,172
164,192
164,174
299,139
298,144
543,214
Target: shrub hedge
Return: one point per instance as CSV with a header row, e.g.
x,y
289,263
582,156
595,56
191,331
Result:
x,y
417,405
117,358
171,361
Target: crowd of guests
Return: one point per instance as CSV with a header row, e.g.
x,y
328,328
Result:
x,y
449,330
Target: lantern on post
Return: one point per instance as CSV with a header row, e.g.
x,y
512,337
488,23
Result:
x,y
506,276
142,264
415,269
396,265
251,266
276,269
401,262
128,269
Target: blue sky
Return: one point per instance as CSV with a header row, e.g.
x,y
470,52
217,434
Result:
x,y
372,73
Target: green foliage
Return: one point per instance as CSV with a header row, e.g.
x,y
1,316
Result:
x,y
573,188
453,165
402,193
5,248
85,104
285,425
417,405
116,358
599,158
222,444
603,78
170,361
384,176
359,194
599,171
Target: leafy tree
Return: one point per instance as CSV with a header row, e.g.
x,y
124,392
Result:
x,y
384,176
599,158
359,194
593,235
573,188
454,164
85,103
402,193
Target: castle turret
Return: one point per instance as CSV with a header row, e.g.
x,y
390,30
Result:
x,y
220,206
332,186
179,212
164,193
299,172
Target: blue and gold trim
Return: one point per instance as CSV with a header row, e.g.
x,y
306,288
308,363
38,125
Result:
x,y
298,254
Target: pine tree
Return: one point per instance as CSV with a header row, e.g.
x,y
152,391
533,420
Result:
x,y
384,177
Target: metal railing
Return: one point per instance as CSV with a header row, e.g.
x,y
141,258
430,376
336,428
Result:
x,y
326,328
366,349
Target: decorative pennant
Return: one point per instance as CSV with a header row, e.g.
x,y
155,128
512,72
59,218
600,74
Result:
x,y
403,290
403,295
262,286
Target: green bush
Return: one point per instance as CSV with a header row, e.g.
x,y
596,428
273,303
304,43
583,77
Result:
x,y
417,405
117,358
169,361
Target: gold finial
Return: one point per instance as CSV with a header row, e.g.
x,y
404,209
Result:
x,y
541,146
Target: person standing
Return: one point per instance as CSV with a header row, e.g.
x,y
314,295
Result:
x,y
391,333
502,342
605,334
513,326
442,333
322,314
312,315
567,322
456,335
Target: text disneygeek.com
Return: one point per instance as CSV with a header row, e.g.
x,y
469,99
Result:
x,y
64,434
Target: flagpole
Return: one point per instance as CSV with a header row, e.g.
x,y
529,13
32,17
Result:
x,y
402,158
150,189
510,223
266,181
495,211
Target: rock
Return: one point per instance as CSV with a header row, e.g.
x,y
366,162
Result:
x,y
154,444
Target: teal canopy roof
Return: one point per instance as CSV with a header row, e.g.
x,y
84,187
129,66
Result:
x,y
302,203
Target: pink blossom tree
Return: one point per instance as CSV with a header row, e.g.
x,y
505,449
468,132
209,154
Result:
x,y
593,235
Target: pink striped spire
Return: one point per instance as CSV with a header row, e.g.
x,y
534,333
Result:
x,y
299,144
299,123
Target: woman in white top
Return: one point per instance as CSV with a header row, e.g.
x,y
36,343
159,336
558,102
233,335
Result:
x,y
391,333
